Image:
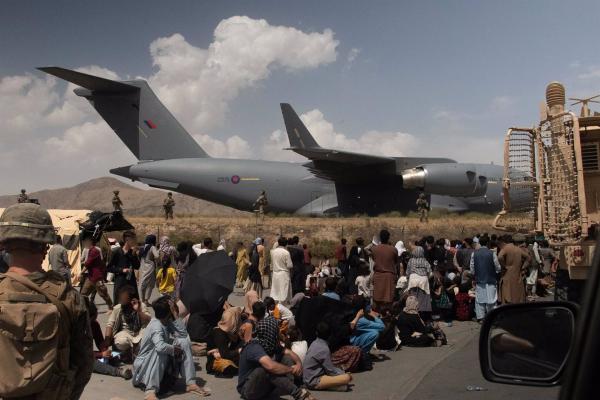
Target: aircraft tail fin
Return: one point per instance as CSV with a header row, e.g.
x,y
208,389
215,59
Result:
x,y
136,115
298,135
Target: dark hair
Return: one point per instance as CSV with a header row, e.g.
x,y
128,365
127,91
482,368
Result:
x,y
484,240
330,284
294,334
269,303
360,241
468,241
128,235
364,269
430,239
384,236
441,242
304,246
282,241
161,307
207,242
259,310
323,331
344,241
130,290
295,240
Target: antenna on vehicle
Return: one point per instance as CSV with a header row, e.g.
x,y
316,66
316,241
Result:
x,y
585,110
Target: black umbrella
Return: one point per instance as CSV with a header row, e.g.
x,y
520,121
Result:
x,y
208,282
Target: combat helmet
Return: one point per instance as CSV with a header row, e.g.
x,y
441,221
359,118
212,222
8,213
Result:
x,y
421,195
23,191
27,221
115,191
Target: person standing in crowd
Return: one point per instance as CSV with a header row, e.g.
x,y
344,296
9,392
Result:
x,y
319,372
385,257
60,368
485,267
116,201
418,271
356,258
168,205
307,257
59,259
165,344
242,260
462,258
165,280
148,258
281,264
94,268
514,262
185,257
124,262
298,269
341,256
254,281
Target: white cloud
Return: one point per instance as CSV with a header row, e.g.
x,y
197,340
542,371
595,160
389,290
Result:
x,y
63,141
371,142
591,73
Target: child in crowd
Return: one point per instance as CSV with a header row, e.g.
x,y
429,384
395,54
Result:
x,y
363,281
165,279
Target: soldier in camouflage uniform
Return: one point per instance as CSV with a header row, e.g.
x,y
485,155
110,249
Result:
x,y
168,205
261,203
58,370
116,201
423,208
23,198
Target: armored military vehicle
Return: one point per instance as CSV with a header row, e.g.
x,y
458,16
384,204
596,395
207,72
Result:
x,y
551,185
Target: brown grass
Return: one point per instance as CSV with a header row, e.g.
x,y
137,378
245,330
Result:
x,y
320,233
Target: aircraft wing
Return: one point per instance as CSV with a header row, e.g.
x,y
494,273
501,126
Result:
x,y
339,165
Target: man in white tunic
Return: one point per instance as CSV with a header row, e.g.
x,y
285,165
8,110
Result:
x,y
281,264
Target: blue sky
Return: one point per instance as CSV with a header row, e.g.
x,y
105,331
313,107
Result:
x,y
450,76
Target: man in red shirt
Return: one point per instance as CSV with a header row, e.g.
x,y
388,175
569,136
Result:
x,y
96,270
342,257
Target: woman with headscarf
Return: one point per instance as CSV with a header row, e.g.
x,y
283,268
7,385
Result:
x,y
166,252
184,258
418,271
148,258
223,344
247,326
412,330
254,280
242,260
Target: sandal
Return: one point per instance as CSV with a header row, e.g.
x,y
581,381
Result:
x,y
199,390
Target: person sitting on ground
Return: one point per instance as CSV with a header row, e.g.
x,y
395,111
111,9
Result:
x,y
266,330
330,286
259,375
126,323
223,344
366,326
103,367
319,372
388,339
413,331
165,353
294,342
281,313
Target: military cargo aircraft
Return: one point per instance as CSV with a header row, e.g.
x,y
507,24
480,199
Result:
x,y
333,181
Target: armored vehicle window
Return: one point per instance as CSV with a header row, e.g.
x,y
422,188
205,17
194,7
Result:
x,y
589,156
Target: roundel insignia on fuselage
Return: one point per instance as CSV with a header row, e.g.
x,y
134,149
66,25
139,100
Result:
x,y
235,179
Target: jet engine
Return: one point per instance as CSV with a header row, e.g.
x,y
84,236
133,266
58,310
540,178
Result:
x,y
449,179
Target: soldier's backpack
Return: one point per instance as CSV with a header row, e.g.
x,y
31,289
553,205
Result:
x,y
34,341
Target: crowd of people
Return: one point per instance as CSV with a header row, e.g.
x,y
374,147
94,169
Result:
x,y
321,320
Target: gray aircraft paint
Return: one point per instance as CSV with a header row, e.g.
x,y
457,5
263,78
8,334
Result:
x,y
171,159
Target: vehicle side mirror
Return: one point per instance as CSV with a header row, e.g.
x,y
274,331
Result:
x,y
527,344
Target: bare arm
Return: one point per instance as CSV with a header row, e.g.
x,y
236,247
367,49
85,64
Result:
x,y
273,367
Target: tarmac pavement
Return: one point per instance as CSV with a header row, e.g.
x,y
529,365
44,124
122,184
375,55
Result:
x,y
410,373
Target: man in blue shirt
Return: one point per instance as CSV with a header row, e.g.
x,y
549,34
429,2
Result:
x,y
330,286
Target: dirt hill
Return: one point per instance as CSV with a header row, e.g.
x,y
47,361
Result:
x,y
96,194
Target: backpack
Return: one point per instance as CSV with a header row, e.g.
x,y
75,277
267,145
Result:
x,y
34,341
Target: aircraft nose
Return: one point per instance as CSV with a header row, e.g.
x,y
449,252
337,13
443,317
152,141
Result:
x,y
413,178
